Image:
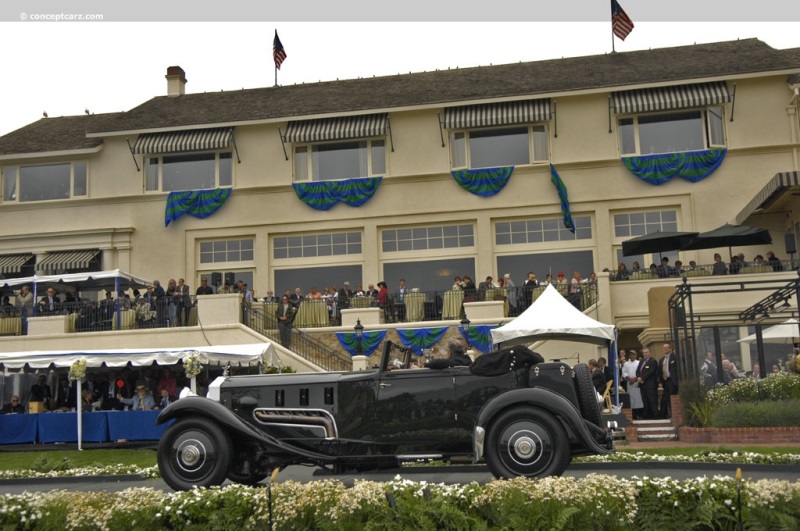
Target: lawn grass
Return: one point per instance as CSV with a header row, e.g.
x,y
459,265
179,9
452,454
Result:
x,y
697,450
76,459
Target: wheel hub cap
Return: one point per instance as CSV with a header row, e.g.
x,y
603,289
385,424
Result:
x,y
525,447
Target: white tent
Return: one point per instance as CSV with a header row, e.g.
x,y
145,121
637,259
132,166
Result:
x,y
112,280
551,316
786,332
236,355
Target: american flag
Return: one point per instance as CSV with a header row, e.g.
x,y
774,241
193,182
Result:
x,y
279,54
621,25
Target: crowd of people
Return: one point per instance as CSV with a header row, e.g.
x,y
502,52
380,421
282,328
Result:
x,y
103,391
709,374
678,269
641,376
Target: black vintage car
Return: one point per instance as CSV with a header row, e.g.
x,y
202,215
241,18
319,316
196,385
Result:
x,y
523,416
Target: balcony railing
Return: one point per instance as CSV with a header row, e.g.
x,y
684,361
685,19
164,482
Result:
x,y
705,270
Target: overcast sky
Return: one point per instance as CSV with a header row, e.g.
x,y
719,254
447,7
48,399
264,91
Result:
x,y
65,68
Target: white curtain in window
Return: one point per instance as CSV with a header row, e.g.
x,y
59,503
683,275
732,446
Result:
x,y
458,150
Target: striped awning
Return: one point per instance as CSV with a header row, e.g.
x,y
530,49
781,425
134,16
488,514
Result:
x,y
492,114
771,191
182,141
13,263
336,128
667,98
67,260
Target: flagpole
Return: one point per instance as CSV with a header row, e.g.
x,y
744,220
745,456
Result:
x,y
612,27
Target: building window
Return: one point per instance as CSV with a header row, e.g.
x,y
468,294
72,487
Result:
x,y
672,132
424,238
45,182
640,223
192,171
541,230
340,160
313,245
239,250
507,146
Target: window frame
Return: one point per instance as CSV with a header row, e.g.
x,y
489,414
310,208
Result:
x,y
159,177
18,169
534,157
706,127
309,174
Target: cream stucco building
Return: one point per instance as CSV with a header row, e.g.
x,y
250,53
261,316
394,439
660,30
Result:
x,y
418,147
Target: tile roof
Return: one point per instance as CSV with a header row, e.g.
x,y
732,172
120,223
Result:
x,y
56,134
443,87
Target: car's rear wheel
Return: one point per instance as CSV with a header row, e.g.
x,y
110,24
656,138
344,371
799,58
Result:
x,y
526,442
194,452
587,395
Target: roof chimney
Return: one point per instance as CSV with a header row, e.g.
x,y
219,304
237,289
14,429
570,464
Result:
x,y
176,81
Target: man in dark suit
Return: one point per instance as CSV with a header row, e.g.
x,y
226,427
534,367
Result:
x,y
285,314
668,377
458,357
647,376
204,288
528,286
598,378
184,300
49,304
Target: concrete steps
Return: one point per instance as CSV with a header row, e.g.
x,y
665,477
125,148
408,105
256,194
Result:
x,y
655,430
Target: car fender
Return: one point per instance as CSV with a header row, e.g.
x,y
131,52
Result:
x,y
194,406
542,398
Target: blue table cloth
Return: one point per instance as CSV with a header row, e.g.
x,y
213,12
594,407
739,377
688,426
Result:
x,y
134,425
18,429
63,427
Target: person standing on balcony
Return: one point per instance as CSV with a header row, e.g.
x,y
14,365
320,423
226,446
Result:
x,y
25,305
204,288
184,302
719,266
285,315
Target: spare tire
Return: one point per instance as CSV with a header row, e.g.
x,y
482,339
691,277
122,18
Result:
x,y
587,396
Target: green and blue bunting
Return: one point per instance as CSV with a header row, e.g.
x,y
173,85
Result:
x,y
693,166
479,336
563,197
324,195
197,203
419,338
485,182
369,341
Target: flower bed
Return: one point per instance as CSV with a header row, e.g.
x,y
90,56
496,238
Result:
x,y
595,502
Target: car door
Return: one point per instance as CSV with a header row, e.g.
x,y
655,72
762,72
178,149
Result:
x,y
415,412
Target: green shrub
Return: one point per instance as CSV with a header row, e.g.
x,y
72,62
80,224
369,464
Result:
x,y
757,415
781,386
693,400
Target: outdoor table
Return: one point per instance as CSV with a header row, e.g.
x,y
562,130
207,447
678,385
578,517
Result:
x,y
63,427
361,301
495,294
134,425
271,321
127,320
415,306
18,428
312,313
10,326
453,300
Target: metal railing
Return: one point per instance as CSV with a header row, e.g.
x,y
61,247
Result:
x,y
705,270
302,344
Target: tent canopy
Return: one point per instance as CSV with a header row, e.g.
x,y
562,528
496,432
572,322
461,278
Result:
x,y
95,280
250,354
786,332
551,316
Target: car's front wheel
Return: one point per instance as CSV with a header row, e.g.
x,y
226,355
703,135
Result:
x,y
526,442
194,452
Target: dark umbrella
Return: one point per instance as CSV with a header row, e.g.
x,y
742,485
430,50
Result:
x,y
728,236
655,242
